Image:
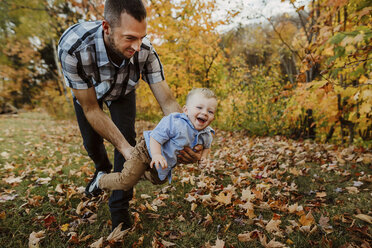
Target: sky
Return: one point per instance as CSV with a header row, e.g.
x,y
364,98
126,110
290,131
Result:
x,y
250,10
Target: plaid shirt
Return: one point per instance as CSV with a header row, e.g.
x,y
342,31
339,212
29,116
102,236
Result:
x,y
85,64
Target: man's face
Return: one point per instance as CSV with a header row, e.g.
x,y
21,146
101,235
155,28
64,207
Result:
x,y
125,39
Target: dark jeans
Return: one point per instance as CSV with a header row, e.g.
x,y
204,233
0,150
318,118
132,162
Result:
x,y
123,113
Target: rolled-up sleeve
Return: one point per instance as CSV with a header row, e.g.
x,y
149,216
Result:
x,y
75,77
164,130
153,69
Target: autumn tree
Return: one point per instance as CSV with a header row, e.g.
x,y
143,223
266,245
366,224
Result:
x,y
340,96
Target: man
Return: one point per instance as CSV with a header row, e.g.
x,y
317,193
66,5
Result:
x,y
102,62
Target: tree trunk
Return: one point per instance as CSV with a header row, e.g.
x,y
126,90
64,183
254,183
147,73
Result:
x,y
60,79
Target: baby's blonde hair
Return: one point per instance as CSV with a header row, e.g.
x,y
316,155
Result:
x,y
203,91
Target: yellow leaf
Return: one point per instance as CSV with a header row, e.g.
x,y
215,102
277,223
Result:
x,y
328,51
193,206
64,227
366,108
350,49
362,79
307,220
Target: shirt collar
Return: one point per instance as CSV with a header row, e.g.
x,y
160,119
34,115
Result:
x,y
205,130
102,58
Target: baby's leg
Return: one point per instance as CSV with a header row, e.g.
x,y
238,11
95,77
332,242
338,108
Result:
x,y
126,179
133,169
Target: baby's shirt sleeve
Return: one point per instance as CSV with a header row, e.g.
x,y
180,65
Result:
x,y
206,139
164,131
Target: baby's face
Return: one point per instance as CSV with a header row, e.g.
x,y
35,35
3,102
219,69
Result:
x,y
200,111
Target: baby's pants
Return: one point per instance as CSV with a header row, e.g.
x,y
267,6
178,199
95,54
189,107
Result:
x,y
134,169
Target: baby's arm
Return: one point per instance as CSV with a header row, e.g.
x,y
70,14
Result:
x,y
157,159
204,158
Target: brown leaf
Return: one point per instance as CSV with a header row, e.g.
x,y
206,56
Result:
x,y
323,222
248,236
307,220
364,217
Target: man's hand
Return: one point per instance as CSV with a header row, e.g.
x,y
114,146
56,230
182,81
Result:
x,y
189,156
159,161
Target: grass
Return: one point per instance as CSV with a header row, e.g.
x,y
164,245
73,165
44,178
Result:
x,y
33,146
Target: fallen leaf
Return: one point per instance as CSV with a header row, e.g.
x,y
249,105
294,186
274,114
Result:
x,y
4,198
59,188
145,196
167,244
321,194
307,220
35,238
247,195
219,244
352,190
295,208
12,179
273,226
5,155
97,244
224,198
64,227
364,217
73,238
117,234
193,206
248,236
323,222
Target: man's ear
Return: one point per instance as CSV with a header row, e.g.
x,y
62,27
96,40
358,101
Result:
x,y
106,27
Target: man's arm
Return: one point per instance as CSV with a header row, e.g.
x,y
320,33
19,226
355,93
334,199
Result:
x,y
168,104
165,98
100,122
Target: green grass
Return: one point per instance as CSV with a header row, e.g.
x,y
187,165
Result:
x,y
35,146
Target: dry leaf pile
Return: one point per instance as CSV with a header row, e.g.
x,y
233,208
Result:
x,y
248,194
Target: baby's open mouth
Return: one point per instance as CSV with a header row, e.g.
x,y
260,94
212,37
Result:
x,y
201,120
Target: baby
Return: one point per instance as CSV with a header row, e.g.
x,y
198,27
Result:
x,y
155,155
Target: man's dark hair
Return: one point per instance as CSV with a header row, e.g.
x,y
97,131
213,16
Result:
x,y
114,8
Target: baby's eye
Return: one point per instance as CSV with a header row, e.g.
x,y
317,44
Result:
x,y
211,112
198,107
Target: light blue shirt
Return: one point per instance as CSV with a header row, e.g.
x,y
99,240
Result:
x,y
174,132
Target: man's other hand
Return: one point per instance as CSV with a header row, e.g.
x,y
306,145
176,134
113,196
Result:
x,y
189,156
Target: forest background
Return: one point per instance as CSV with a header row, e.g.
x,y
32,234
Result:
x,y
302,75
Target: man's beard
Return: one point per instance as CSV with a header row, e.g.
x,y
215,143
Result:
x,y
113,51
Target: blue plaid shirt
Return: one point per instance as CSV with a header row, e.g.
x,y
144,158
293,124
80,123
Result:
x,y
85,63
174,132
